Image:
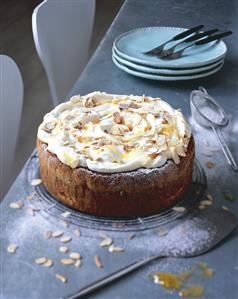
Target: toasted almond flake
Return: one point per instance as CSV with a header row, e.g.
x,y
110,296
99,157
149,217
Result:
x,y
113,248
106,242
162,232
48,263
40,261
57,234
63,249
66,214
209,197
30,197
78,263
98,261
12,248
179,209
74,255
210,164
67,262
65,239
36,182
30,211
206,202
77,232
202,207
61,278
17,204
117,118
64,223
225,208
131,236
47,234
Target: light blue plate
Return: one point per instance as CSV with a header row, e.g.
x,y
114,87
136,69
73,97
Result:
x,y
158,71
166,77
132,44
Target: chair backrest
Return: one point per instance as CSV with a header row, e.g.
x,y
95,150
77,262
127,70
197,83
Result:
x,y
62,33
11,100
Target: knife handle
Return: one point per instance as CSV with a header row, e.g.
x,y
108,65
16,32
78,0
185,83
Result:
x,y
187,32
212,38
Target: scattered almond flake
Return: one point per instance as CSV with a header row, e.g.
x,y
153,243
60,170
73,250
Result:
x,y
36,182
67,262
228,195
61,278
12,248
30,211
113,248
65,239
40,261
77,232
64,223
78,263
66,214
30,197
17,204
179,209
48,263
117,118
210,164
74,255
106,242
63,249
162,232
206,202
209,197
131,236
98,261
48,235
57,234
202,207
225,208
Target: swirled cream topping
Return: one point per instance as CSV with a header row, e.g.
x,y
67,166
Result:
x,y
115,133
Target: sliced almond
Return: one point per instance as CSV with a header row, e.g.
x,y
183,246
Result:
x,y
65,239
61,278
210,164
12,248
77,232
17,204
209,197
40,261
48,235
30,197
63,249
74,255
78,263
57,234
98,261
202,207
179,209
225,208
162,232
206,202
36,182
66,214
114,248
48,263
106,242
67,262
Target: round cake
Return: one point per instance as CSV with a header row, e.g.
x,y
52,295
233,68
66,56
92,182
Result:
x,y
116,155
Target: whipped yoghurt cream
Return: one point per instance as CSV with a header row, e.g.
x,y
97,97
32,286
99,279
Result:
x,y
115,133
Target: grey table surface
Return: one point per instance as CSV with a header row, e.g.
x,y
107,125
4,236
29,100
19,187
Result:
x,y
21,278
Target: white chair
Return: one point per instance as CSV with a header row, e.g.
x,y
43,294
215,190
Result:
x,y
62,33
11,100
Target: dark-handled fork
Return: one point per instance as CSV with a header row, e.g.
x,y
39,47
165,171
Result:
x,y
204,41
159,49
188,40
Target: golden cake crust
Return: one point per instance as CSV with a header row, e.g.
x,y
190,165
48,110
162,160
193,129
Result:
x,y
127,194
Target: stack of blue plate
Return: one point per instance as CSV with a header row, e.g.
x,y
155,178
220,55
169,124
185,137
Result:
x,y
196,62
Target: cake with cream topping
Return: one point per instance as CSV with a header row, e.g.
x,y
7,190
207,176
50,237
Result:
x,y
116,155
